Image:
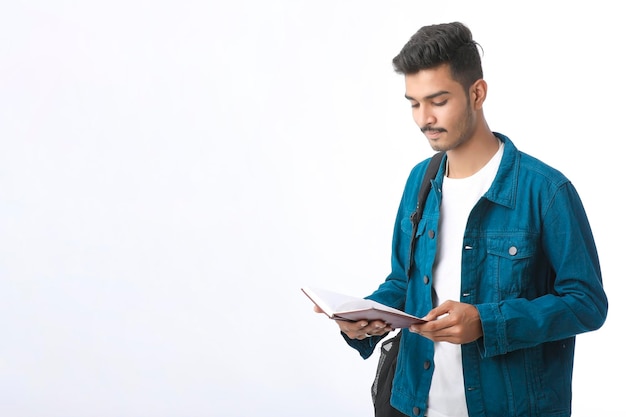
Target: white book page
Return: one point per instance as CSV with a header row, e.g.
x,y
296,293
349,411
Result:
x,y
333,302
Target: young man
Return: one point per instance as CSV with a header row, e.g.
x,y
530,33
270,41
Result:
x,y
505,266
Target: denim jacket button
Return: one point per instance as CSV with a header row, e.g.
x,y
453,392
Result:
x,y
431,234
416,411
426,279
512,251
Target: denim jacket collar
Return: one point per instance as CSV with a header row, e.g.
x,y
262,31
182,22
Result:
x,y
504,187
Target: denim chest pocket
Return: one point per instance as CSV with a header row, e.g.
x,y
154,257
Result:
x,y
510,260
421,245
407,226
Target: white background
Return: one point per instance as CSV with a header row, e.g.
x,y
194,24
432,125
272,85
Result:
x,y
172,172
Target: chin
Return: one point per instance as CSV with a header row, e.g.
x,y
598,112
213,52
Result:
x,y
437,146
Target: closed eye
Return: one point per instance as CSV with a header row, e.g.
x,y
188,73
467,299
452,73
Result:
x,y
440,103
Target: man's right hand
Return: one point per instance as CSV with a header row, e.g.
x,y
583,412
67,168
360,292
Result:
x,y
361,329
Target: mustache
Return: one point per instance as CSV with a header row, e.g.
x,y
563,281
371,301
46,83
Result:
x,y
432,129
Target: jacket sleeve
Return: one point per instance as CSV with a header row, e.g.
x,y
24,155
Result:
x,y
392,291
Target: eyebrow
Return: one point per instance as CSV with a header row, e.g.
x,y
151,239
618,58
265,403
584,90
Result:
x,y
429,97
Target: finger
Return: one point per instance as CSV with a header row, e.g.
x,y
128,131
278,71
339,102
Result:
x,y
415,328
352,329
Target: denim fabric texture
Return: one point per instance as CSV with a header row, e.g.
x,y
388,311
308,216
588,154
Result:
x,y
531,268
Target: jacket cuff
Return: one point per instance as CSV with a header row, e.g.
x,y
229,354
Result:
x,y
366,346
494,338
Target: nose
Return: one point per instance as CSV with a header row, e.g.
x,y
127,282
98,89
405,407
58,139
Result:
x,y
423,117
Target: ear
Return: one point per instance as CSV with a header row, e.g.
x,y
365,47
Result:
x,y
478,94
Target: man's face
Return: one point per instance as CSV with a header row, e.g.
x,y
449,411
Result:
x,y
441,108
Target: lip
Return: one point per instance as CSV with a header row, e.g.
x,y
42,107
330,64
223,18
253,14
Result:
x,y
433,134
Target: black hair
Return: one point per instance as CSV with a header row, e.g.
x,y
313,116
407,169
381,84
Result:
x,y
435,45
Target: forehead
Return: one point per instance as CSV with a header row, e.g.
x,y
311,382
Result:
x,y
431,81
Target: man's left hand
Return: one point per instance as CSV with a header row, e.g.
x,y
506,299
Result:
x,y
452,322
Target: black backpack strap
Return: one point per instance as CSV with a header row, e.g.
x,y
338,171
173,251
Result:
x,y
431,172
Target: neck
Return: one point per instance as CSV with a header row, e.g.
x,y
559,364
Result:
x,y
468,159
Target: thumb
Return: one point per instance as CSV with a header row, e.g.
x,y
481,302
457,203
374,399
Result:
x,y
438,311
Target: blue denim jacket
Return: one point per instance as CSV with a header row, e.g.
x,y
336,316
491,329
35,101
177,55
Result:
x,y
529,265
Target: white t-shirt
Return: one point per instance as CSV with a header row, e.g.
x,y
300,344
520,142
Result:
x,y
447,392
